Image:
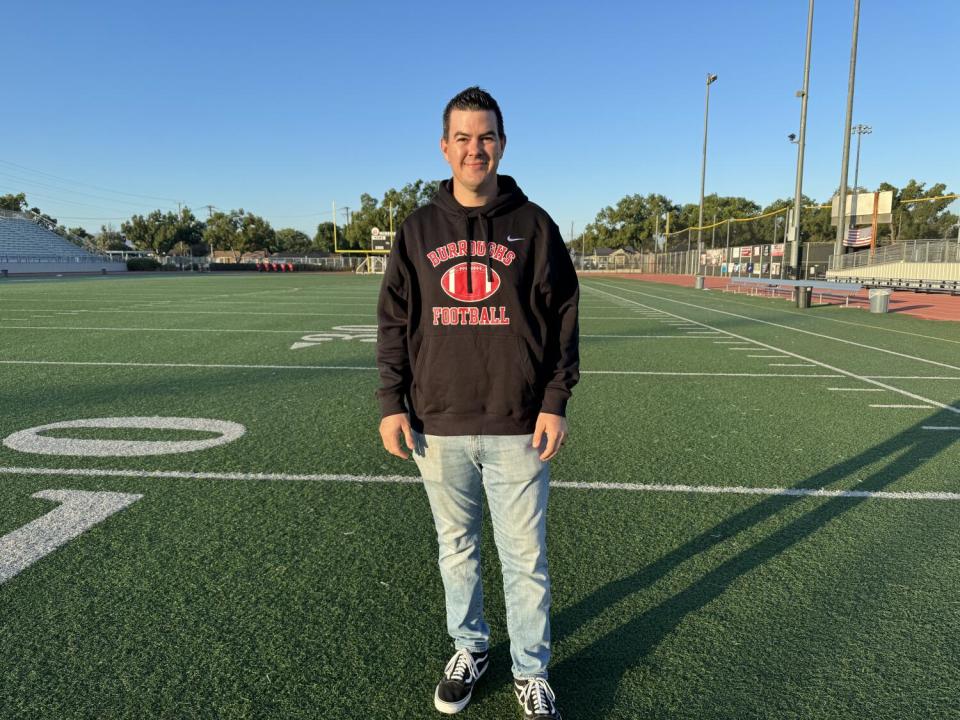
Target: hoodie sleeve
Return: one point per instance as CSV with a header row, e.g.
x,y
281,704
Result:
x,y
561,295
393,309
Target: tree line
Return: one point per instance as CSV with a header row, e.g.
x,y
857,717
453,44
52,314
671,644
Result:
x,y
183,233
633,222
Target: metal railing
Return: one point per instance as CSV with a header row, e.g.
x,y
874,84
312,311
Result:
x,y
911,251
47,259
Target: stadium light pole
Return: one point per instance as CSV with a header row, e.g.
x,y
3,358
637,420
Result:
x,y
859,130
845,164
801,146
711,78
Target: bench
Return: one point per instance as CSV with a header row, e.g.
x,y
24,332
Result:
x,y
823,288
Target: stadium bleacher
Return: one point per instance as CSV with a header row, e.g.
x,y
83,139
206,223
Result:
x,y
28,247
23,237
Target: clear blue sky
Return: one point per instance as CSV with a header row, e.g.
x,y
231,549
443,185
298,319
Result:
x,y
282,108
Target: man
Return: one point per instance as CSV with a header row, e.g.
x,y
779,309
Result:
x,y
478,351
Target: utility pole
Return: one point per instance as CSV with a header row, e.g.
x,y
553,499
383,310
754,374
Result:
x,y
711,78
844,166
801,146
210,209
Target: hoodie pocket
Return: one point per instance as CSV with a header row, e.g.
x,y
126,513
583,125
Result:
x,y
474,375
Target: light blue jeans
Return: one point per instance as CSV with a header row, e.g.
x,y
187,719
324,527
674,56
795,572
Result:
x,y
456,471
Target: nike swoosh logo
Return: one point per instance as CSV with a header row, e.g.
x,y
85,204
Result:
x,y
513,239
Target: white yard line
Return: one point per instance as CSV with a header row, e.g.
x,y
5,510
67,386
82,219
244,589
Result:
x,y
663,337
836,389
912,377
128,329
370,369
908,407
766,356
412,480
940,427
869,381
768,322
244,313
790,365
807,316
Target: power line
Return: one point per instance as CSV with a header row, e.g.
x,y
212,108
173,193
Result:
x,y
36,183
81,182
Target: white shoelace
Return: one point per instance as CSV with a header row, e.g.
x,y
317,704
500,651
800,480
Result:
x,y
460,665
541,693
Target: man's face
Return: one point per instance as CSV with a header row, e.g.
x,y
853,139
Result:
x,y
473,148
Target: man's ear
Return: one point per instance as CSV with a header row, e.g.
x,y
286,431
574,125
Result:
x,y
443,147
503,144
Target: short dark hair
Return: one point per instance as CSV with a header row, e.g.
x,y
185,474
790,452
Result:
x,y
473,98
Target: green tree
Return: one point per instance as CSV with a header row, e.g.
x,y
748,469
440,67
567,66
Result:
x,y
292,241
221,231
109,239
14,203
323,240
255,233
160,231
921,220
377,214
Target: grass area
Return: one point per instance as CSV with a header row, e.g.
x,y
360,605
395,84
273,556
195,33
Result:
x,y
304,599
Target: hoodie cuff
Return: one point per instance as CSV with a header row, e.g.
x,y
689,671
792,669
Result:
x,y
555,401
391,405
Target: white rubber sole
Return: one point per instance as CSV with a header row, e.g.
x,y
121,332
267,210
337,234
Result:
x,y
449,708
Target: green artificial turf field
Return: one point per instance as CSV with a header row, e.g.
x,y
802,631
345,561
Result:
x,y
289,572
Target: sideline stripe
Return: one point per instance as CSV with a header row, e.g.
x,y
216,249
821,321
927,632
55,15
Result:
x,y
914,407
940,427
413,480
819,363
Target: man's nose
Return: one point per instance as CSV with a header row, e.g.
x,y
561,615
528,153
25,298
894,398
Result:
x,y
476,147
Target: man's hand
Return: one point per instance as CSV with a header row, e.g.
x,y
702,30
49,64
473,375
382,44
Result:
x,y
555,429
391,427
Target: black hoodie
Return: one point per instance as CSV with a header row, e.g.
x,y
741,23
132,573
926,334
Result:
x,y
478,317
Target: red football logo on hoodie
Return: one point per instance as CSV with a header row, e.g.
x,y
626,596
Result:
x,y
454,282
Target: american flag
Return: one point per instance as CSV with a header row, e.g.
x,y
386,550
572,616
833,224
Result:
x,y
858,237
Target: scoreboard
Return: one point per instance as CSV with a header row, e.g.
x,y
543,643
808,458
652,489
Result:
x,y
381,240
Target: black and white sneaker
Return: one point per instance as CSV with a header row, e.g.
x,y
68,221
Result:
x,y
537,699
459,678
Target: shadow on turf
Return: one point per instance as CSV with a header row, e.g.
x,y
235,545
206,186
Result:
x,y
587,682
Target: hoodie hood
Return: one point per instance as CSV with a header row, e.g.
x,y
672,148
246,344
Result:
x,y
509,196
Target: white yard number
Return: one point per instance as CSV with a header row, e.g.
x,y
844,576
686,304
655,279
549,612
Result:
x,y
360,333
79,511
